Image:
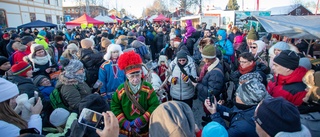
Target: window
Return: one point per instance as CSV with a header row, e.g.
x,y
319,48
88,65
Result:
x,y
48,18
57,2
46,1
3,19
298,11
32,17
58,19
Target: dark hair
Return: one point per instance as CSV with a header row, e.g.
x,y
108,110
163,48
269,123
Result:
x,y
246,55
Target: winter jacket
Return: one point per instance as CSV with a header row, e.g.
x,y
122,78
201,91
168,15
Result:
x,y
225,45
303,133
41,69
142,50
192,40
312,122
159,40
289,87
72,117
11,130
232,36
46,91
25,85
110,82
18,56
72,91
91,60
241,124
42,41
182,90
213,80
9,48
3,48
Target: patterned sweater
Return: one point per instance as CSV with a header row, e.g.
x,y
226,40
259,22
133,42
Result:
x,y
124,110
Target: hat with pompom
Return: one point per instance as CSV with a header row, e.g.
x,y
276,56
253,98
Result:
x,y
130,62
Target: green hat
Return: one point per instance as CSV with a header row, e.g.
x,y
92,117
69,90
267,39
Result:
x,y
209,52
252,35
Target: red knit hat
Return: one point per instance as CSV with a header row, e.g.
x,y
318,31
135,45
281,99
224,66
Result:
x,y
5,35
130,62
21,69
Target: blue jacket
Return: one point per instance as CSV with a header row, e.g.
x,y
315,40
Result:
x,y
46,91
241,124
225,45
109,80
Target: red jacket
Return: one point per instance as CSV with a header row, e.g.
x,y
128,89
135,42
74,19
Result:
x,y
18,56
289,87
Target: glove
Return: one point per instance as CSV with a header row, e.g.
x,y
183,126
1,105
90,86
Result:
x,y
126,125
138,123
184,77
223,51
174,80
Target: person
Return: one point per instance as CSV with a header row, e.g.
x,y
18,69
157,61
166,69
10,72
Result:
x,y
122,41
276,50
25,32
172,119
134,100
41,61
159,43
62,119
105,42
309,109
28,41
3,44
109,73
183,72
91,59
142,50
235,32
19,54
70,52
14,38
258,50
4,66
71,83
10,122
41,39
287,80
44,85
248,95
111,127
279,118
224,45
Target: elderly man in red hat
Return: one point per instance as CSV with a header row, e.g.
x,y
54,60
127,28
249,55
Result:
x,y
135,99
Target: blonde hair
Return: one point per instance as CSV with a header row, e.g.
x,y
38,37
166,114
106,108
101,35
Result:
x,y
8,115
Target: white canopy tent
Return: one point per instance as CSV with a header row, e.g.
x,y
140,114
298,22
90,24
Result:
x,y
105,19
303,27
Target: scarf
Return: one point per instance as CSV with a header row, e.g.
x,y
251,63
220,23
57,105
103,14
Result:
x,y
40,61
247,69
135,88
114,67
203,71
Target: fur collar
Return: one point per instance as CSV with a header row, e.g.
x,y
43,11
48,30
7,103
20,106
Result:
x,y
213,65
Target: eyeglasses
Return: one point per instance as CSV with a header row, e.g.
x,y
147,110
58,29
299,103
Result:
x,y
181,60
253,47
243,62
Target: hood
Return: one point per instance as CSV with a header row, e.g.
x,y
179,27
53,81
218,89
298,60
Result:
x,y
303,133
261,45
136,44
295,76
238,39
179,120
222,33
189,23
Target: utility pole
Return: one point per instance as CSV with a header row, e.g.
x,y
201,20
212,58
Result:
x,y
88,8
257,5
317,7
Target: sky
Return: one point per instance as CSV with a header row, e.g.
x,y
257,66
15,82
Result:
x,y
135,7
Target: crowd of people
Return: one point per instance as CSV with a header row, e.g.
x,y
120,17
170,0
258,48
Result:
x,y
271,80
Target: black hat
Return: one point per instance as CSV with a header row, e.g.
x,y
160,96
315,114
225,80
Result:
x,y
3,60
58,38
182,54
288,59
26,39
94,102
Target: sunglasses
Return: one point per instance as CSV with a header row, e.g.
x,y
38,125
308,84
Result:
x,y
253,47
181,60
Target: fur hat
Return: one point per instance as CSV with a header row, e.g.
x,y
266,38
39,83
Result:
x,y
73,46
214,128
8,90
209,52
252,92
71,66
59,116
105,42
112,47
19,46
312,80
278,115
3,60
26,39
164,59
130,62
87,43
288,59
172,118
21,68
37,79
36,47
42,33
252,34
281,45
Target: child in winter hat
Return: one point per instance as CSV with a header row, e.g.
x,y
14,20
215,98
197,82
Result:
x,y
22,69
59,117
44,85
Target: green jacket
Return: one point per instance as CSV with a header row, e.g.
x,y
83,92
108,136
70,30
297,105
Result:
x,y
71,118
121,106
42,41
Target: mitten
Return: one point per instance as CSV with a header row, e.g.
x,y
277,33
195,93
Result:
x,y
126,125
138,123
184,77
174,80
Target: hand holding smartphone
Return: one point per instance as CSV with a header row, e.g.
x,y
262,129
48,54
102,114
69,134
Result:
x,y
91,119
36,97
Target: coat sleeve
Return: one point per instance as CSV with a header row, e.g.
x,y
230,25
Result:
x,y
103,79
153,103
35,122
229,48
116,108
215,83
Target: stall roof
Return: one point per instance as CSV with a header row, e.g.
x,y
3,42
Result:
x,y
36,24
304,27
84,19
105,19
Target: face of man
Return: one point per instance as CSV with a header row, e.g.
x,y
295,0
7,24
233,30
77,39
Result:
x,y
278,69
134,78
244,63
207,33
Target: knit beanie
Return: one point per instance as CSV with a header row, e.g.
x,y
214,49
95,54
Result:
x,y
112,47
172,118
288,59
26,39
42,33
281,45
14,36
278,115
252,92
209,52
305,62
73,46
37,79
87,43
58,38
21,68
141,39
71,67
8,90
248,76
94,102
3,60
214,128
59,116
182,54
252,35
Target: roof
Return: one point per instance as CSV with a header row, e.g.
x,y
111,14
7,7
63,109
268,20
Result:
x,y
37,23
284,10
84,19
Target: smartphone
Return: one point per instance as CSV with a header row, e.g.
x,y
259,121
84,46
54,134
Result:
x,y
91,119
36,97
29,131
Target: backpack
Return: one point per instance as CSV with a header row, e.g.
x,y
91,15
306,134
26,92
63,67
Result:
x,y
56,100
12,55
